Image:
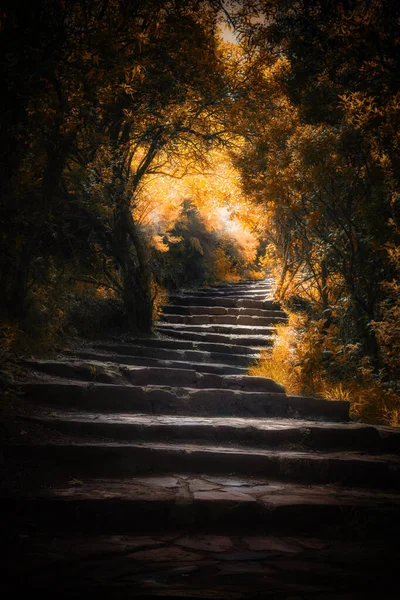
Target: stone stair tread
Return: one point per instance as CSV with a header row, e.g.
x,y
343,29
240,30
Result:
x,y
165,343
220,310
212,564
46,448
110,358
243,341
218,328
208,488
102,372
223,301
218,320
195,354
255,432
264,423
163,399
358,469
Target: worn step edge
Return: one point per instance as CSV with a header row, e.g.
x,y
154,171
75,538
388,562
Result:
x,y
263,433
201,356
189,401
221,328
121,359
224,302
114,459
137,504
216,311
232,340
218,320
96,371
163,343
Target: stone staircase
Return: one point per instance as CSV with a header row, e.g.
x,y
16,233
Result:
x,y
165,471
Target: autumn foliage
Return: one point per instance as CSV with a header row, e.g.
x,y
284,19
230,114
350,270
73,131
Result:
x,y
142,152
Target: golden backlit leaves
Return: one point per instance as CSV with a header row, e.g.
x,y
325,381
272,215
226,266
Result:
x,y
216,193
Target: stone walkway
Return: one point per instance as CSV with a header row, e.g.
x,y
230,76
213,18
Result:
x,y
168,472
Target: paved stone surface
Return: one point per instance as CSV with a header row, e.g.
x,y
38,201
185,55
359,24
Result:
x,y
206,566
215,543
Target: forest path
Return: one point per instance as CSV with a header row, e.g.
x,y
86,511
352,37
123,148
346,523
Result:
x,y
169,472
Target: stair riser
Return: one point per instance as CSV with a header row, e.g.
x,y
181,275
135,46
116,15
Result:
x,y
235,295
364,439
221,320
216,338
224,302
142,376
193,402
191,355
216,311
120,516
220,328
103,461
154,362
175,345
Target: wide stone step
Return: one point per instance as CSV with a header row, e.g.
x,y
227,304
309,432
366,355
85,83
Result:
x,y
240,287
120,359
224,302
251,295
142,375
199,356
123,459
205,502
164,400
265,433
221,320
205,560
253,342
175,344
226,329
237,288
216,311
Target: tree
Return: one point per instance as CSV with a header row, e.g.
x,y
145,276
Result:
x,y
124,87
322,156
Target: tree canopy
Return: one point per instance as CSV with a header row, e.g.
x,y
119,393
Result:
x,y
144,150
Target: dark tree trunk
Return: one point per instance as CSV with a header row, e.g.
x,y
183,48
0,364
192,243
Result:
x,y
130,253
56,160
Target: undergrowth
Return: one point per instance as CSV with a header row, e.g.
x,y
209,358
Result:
x,y
308,360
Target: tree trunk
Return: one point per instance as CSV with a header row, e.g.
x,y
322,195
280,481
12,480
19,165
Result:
x,y
131,255
56,160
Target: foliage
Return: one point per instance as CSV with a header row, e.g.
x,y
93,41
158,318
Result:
x,y
140,154
195,252
102,97
323,161
310,363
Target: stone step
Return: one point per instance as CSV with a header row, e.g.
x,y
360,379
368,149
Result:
x,y
264,433
199,355
102,372
200,503
165,343
166,400
224,302
216,311
230,340
251,295
237,288
240,286
226,329
220,320
200,563
205,503
120,359
125,460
